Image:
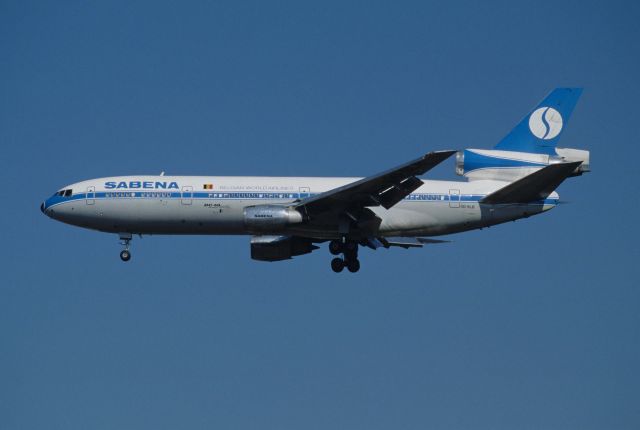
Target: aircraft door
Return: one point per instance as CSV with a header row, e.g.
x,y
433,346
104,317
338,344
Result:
x,y
454,198
91,195
187,195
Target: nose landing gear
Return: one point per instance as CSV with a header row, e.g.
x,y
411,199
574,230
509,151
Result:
x,y
125,239
125,255
350,260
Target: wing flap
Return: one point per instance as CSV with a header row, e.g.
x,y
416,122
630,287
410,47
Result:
x,y
533,187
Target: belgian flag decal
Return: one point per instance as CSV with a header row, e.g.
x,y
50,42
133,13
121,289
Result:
x,y
208,186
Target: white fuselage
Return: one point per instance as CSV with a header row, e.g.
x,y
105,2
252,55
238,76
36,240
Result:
x,y
215,205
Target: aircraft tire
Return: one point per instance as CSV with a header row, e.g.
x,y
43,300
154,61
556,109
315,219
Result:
x,y
125,255
337,265
353,265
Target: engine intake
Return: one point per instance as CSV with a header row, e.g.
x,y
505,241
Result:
x,y
265,218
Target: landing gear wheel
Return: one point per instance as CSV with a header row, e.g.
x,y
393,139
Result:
x,y
353,265
335,247
337,264
125,255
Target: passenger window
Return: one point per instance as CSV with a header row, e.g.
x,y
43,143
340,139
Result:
x,y
67,193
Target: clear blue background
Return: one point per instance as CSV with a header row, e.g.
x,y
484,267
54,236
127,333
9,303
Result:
x,y
533,324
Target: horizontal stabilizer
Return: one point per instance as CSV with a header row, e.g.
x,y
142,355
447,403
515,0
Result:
x,y
534,187
408,242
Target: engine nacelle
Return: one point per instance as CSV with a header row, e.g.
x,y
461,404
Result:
x,y
270,218
500,165
275,248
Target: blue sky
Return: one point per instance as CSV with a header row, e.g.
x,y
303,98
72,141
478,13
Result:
x,y
533,324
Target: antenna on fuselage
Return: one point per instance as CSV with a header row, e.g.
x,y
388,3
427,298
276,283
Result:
x,y
162,173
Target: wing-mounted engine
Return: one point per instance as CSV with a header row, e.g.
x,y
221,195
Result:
x,y
275,248
475,164
270,218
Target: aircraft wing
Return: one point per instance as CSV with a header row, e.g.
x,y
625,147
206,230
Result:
x,y
384,189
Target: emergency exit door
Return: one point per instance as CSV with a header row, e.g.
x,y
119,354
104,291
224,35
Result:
x,y
91,195
187,195
454,198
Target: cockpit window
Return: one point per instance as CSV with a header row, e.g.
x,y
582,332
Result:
x,y
64,193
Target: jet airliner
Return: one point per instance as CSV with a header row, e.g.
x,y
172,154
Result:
x,y
291,216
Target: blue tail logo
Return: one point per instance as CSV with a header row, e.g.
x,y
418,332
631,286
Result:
x,y
545,123
540,130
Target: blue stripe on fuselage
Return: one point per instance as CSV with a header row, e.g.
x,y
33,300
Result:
x,y
115,195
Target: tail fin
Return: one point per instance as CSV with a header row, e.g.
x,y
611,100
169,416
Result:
x,y
540,130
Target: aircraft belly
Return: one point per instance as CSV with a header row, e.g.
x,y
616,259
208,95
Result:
x,y
159,216
432,218
498,214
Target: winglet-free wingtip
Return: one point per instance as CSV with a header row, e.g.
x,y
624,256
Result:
x,y
437,157
445,153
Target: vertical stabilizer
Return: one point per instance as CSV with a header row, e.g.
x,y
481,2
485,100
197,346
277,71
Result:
x,y
540,130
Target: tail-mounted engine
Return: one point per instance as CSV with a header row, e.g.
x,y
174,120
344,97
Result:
x,y
476,164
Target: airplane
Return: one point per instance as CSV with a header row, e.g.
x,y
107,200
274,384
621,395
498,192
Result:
x,y
291,216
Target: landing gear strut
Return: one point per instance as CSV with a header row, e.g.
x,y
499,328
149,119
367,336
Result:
x,y
335,247
125,240
350,260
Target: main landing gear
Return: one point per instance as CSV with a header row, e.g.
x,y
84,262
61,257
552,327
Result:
x,y
350,251
125,240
